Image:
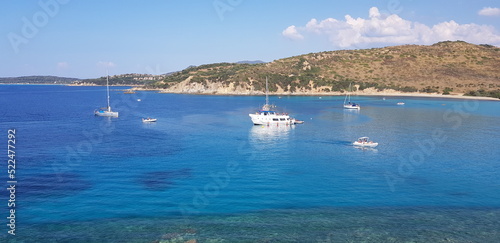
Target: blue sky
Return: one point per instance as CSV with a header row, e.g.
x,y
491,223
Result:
x,y
82,39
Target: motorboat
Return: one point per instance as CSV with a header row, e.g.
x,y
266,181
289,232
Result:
x,y
365,142
149,119
400,103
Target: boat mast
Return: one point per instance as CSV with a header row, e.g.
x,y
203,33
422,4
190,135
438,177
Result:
x,y
350,90
107,88
267,97
348,94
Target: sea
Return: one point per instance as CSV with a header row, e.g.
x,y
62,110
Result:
x,y
204,173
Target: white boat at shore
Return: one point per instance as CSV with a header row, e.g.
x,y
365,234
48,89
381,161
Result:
x,y
268,117
365,142
347,101
149,119
106,111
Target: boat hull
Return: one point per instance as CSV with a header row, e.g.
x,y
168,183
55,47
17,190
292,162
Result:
x,y
106,113
261,119
365,144
351,107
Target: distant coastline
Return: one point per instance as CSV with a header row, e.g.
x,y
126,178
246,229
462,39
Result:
x,y
31,84
447,69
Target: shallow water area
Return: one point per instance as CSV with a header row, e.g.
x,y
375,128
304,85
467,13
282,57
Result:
x,y
284,225
204,172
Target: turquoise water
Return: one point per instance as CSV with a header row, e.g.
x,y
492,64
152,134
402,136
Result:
x,y
204,172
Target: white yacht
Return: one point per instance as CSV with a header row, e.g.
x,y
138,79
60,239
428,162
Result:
x,y
106,111
266,116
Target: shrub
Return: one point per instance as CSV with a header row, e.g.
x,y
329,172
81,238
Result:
x,y
429,89
447,91
408,89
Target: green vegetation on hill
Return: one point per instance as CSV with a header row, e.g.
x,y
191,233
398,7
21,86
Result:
x,y
482,92
113,81
445,67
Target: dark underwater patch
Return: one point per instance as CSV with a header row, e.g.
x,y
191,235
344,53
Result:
x,y
51,185
163,180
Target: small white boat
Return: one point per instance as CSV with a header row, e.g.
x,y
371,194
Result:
x,y
365,142
400,103
106,111
352,106
347,101
149,119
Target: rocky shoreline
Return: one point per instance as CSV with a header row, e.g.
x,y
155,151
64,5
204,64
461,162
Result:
x,y
366,92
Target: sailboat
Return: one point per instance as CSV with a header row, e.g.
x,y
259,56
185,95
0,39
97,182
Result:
x,y
106,111
266,116
347,101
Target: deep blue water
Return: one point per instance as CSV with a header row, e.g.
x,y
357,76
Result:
x,y
205,169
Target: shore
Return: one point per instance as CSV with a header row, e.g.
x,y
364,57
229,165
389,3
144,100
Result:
x,y
432,95
366,92
385,93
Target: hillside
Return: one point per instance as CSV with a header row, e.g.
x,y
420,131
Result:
x,y
122,79
445,67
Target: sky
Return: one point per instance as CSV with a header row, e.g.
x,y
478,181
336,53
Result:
x,y
83,39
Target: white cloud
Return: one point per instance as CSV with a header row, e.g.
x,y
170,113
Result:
x,y
374,13
489,11
383,29
62,65
106,64
291,33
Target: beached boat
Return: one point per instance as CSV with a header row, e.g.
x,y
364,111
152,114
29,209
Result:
x,y
365,142
106,111
149,119
266,116
347,101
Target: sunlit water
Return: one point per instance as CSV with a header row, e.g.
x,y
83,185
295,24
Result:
x,y
204,172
